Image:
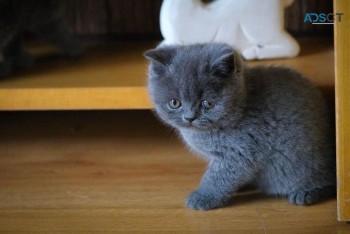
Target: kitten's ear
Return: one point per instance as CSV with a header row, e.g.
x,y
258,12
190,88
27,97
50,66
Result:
x,y
226,63
160,56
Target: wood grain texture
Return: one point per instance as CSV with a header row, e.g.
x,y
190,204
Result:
x,y
342,84
76,98
123,172
113,76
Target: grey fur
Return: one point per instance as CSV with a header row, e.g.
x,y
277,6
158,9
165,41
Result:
x,y
268,125
43,17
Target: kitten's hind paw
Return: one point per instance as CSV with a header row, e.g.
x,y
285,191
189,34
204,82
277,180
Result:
x,y
199,201
310,197
302,198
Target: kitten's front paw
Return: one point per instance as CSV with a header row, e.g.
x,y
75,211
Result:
x,y
199,201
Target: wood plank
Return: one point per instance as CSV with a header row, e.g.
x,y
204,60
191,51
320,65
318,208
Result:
x,y
167,220
342,85
75,98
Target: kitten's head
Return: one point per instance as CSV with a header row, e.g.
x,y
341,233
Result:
x,y
197,86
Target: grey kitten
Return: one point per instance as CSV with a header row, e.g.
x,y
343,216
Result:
x,y
43,17
262,125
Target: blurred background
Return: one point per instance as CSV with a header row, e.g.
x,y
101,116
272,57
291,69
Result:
x,y
139,19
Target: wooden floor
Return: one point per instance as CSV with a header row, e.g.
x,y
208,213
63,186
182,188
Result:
x,y
122,171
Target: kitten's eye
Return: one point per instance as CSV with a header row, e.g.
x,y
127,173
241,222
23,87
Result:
x,y
207,104
174,104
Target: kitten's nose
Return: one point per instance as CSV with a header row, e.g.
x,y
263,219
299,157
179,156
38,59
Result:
x,y
189,119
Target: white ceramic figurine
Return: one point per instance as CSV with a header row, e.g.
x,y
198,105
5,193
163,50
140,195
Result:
x,y
255,27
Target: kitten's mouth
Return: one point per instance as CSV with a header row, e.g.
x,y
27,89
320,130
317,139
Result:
x,y
194,126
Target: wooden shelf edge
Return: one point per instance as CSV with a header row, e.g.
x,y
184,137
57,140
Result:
x,y
75,99
342,84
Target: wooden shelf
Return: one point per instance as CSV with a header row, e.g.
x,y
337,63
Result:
x,y
107,77
113,76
